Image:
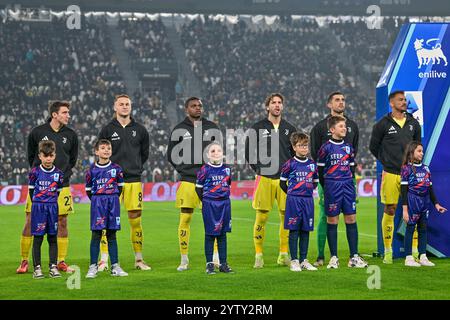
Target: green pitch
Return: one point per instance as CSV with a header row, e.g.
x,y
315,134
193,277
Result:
x,y
160,223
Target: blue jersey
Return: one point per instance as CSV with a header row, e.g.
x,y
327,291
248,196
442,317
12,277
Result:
x,y
336,158
45,183
300,176
104,179
215,181
417,177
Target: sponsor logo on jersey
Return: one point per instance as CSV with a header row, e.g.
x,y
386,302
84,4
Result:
x,y
115,136
45,138
187,135
64,140
392,130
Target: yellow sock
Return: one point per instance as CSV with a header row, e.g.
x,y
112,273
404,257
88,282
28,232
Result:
x,y
259,230
216,248
63,244
284,235
184,231
387,225
104,244
137,236
25,246
415,241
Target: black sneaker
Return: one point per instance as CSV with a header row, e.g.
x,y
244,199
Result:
x,y
210,268
225,268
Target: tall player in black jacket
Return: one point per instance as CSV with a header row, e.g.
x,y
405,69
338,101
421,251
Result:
x,y
187,135
66,140
319,135
390,135
269,132
130,150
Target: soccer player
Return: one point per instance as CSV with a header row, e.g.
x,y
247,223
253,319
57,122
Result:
x,y
389,138
213,189
185,134
45,182
298,180
336,170
273,130
66,142
104,183
130,149
319,135
417,193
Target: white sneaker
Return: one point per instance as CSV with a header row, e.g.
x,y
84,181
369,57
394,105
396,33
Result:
x,y
92,272
411,262
305,265
183,267
295,266
334,263
38,274
141,265
117,271
102,266
425,262
357,262
259,261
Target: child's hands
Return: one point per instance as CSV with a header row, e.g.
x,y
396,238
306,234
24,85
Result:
x,y
440,208
405,215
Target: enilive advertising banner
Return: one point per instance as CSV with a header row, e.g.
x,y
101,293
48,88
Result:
x,y
418,64
162,191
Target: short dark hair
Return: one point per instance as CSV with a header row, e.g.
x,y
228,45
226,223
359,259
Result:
x,y
122,95
333,120
54,106
297,137
47,147
271,96
331,95
394,93
100,142
186,103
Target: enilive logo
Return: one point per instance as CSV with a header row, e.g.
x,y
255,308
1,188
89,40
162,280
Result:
x,y
432,54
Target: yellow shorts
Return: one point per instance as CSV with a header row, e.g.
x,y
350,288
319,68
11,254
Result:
x,y
390,188
266,191
65,203
132,196
186,196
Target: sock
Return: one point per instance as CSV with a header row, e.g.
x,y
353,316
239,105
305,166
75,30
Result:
x,y
259,230
321,226
293,243
52,249
222,247
184,231
422,231
112,246
25,246
303,244
387,226
138,256
408,239
63,244
332,238
216,248
415,240
284,235
104,246
184,259
137,236
95,245
209,247
352,238
37,242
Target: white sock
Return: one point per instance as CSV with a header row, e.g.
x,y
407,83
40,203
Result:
x,y
184,259
104,257
138,256
216,256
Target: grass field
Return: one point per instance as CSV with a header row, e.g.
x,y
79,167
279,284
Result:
x,y
164,282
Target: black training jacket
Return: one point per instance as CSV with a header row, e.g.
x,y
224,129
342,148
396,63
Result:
x,y
183,135
388,141
262,147
130,147
320,134
66,141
